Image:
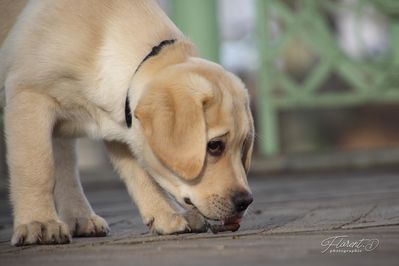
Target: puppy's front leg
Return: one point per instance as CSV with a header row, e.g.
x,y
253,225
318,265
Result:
x,y
29,119
157,211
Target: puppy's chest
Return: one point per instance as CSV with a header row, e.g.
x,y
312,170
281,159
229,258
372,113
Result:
x,y
87,121
95,111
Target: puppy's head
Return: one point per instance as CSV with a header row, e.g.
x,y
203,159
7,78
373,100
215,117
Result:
x,y
198,137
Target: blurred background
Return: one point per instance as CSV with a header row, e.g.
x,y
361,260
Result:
x,y
323,77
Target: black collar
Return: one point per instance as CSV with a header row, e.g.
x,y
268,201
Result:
x,y
154,51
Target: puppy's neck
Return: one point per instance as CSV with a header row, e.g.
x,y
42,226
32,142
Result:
x,y
168,52
154,52
179,52
174,53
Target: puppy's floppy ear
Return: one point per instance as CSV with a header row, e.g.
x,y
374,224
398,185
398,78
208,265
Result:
x,y
248,143
174,126
247,153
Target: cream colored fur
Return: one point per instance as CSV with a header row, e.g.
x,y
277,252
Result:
x,y
66,68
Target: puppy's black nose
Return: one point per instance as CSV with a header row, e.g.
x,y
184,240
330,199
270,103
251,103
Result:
x,y
242,200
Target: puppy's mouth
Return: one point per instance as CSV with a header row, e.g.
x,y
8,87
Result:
x,y
223,221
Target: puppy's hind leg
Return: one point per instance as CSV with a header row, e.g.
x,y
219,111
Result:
x,y
29,120
72,204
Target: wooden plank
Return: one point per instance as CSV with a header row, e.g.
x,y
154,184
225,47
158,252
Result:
x,y
289,218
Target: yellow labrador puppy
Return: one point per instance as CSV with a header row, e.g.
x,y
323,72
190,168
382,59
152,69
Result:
x,y
122,72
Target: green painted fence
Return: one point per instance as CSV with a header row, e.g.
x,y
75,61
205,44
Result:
x,y
198,20
304,23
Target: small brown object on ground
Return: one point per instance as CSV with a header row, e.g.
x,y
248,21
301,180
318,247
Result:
x,y
216,228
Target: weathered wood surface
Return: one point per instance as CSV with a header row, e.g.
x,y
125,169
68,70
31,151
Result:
x,y
286,224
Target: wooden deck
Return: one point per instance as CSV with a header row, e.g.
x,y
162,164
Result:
x,y
286,225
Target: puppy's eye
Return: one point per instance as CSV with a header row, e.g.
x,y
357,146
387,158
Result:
x,y
215,147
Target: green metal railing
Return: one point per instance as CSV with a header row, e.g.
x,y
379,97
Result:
x,y
303,25
199,21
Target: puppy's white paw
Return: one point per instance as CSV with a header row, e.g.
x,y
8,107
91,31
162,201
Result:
x,y
196,221
167,223
49,232
89,226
